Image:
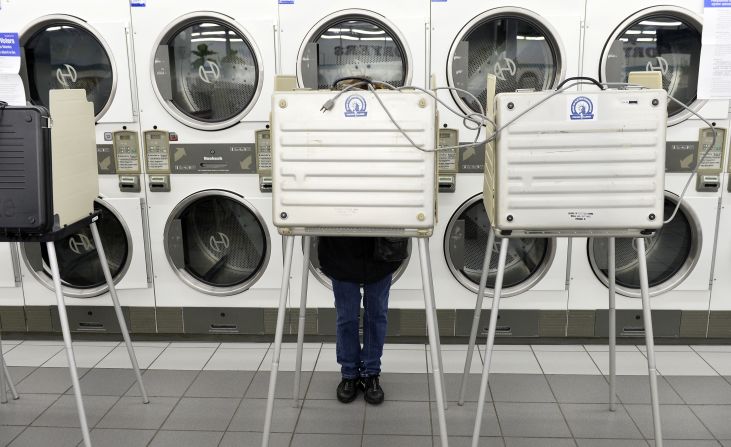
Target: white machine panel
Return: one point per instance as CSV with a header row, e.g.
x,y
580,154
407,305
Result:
x,y
589,163
350,169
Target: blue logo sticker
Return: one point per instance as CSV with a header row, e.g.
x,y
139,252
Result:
x,y
137,3
9,45
717,3
286,2
582,109
355,106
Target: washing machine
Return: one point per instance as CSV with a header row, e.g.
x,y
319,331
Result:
x,y
84,44
321,42
719,324
206,74
526,45
644,36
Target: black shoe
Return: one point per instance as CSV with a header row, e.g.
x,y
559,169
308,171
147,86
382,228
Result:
x,y
372,390
347,390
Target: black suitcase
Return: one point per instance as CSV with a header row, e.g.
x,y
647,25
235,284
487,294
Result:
x,y
26,196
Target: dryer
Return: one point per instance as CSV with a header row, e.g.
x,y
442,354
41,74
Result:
x,y
206,74
720,309
525,45
321,42
644,36
88,45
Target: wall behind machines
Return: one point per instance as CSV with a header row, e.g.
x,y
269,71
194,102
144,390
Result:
x,y
527,320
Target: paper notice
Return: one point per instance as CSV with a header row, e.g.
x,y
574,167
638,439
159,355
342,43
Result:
x,y
11,86
715,66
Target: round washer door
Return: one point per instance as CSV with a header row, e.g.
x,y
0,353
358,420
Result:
x,y
465,240
78,260
63,52
671,254
207,71
217,242
327,282
664,39
357,43
515,45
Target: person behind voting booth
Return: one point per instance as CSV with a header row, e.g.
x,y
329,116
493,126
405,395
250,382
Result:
x,y
356,264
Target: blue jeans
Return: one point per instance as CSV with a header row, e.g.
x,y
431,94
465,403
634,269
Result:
x,y
356,361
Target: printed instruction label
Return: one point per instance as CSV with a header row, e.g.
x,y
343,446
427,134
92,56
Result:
x,y
580,215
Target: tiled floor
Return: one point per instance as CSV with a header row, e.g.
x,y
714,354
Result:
x,y
211,394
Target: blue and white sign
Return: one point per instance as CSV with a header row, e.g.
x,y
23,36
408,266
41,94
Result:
x,y
582,108
356,106
137,3
714,75
11,86
286,2
9,45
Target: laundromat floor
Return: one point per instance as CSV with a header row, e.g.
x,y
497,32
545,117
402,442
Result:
x,y
214,394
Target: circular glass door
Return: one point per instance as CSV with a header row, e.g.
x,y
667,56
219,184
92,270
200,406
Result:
x,y
78,260
671,253
515,45
62,52
353,45
207,72
217,242
663,39
465,241
324,280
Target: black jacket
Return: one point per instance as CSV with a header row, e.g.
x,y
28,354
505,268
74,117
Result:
x,y
352,259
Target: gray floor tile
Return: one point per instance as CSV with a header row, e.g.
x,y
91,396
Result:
x,y
8,433
576,389
687,443
611,443
321,386
187,439
63,412
520,388
19,373
48,380
220,384
130,412
401,418
466,441
285,382
531,420
161,382
41,436
678,422
202,413
596,421
636,390
118,437
453,384
701,390
316,440
106,382
539,442
250,416
726,443
461,420
24,410
239,439
716,418
331,416
405,387
396,441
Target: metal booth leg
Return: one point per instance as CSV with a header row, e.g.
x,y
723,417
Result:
x,y
649,342
433,337
6,379
436,328
301,321
288,251
9,380
51,248
490,340
118,309
476,318
612,267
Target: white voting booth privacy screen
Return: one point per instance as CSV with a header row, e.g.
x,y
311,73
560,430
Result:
x,y
350,169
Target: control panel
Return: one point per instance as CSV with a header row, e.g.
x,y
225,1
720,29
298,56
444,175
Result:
x,y
447,160
126,149
710,166
157,151
264,159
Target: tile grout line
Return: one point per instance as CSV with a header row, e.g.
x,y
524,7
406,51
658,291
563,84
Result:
x,y
304,397
558,405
